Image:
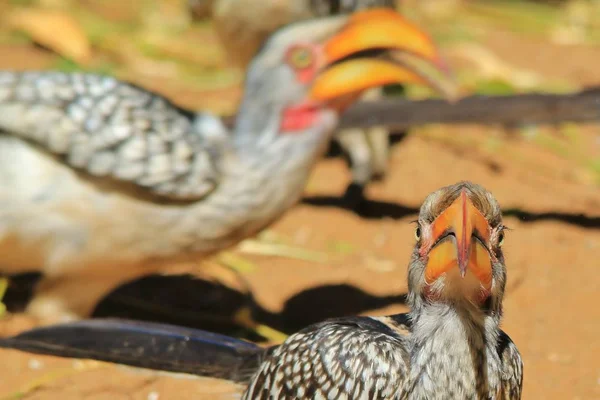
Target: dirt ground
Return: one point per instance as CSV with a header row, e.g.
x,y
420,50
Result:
x,y
552,251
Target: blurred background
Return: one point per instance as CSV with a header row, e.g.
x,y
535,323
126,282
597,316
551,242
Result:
x,y
547,178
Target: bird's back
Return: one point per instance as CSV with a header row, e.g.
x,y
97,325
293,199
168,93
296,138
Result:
x,y
354,358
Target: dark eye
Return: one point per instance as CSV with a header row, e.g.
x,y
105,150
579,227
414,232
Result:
x,y
300,57
418,233
500,239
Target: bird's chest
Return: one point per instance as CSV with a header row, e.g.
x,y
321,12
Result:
x,y
454,366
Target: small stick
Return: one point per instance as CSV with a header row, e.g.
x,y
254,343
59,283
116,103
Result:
x,y
531,108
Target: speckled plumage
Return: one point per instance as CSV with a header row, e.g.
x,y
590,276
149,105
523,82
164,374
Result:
x,y
352,358
449,349
110,128
380,358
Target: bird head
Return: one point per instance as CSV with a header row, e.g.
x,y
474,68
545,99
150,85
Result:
x,y
458,255
308,72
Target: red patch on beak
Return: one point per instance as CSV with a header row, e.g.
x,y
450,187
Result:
x,y
299,118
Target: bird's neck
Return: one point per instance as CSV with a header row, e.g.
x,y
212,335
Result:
x,y
264,175
279,162
258,129
454,351
259,144
256,125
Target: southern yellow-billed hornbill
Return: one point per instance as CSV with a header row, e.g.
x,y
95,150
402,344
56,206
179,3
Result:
x,y
449,346
102,182
243,25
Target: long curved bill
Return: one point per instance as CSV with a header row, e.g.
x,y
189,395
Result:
x,y
411,57
461,235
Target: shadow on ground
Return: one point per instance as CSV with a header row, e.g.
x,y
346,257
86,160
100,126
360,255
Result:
x,y
190,301
374,209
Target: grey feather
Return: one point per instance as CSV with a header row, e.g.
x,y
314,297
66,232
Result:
x,y
105,127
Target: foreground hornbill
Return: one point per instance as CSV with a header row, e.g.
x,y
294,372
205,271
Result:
x,y
449,346
243,25
102,182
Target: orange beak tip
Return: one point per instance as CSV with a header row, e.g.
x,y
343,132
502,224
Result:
x,y
463,270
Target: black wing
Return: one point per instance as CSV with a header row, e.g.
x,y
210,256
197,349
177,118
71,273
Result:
x,y
146,345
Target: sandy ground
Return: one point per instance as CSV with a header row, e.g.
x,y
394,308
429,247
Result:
x,y
552,254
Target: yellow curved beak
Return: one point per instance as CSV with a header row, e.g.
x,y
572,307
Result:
x,y
461,235
380,30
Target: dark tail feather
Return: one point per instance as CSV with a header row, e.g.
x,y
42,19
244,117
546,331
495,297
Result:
x,y
146,345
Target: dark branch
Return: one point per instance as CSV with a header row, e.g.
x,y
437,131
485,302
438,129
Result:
x,y
518,109
399,114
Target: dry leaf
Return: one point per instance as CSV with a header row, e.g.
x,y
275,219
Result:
x,y
55,30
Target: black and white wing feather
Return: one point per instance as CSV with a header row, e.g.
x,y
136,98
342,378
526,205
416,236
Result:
x,y
512,368
349,358
106,127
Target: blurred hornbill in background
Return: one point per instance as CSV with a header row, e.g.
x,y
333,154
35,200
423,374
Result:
x,y
243,25
449,346
102,182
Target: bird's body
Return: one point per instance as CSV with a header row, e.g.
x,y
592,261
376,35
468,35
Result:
x,y
439,356
155,189
74,223
102,181
449,346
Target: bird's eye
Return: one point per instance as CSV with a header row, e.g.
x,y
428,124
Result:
x,y
300,57
500,239
418,233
